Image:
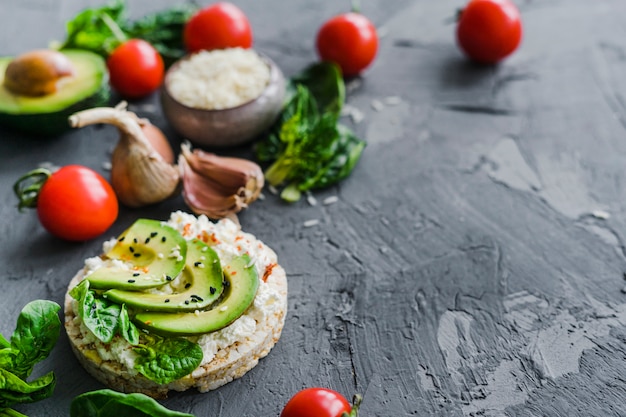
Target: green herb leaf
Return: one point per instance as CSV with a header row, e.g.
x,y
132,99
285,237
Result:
x,y
102,29
127,327
14,390
96,29
108,403
167,359
36,333
307,148
164,30
99,316
324,81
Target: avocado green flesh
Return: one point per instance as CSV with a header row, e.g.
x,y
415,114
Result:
x,y
242,284
156,251
48,114
204,284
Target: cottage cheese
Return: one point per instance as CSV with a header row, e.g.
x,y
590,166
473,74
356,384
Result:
x,y
219,79
227,239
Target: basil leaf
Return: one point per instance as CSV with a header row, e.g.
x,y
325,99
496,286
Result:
x,y
167,359
127,327
36,333
109,403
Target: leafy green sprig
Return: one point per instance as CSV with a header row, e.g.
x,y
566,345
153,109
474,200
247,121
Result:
x,y
36,332
102,29
307,148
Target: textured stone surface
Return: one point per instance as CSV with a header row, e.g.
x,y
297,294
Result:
x,y
473,263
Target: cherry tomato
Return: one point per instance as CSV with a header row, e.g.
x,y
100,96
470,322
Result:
x,y
219,26
136,69
74,203
316,402
350,40
489,30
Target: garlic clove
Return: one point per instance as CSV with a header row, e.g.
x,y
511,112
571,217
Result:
x,y
218,186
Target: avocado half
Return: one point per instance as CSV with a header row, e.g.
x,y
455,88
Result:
x,y
48,115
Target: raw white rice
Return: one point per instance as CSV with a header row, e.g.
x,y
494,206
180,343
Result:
x,y
219,79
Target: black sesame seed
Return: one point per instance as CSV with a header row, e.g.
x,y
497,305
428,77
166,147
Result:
x,y
197,298
131,281
212,290
121,239
147,240
153,234
136,274
187,285
163,239
168,278
131,249
167,300
135,240
197,263
186,301
136,255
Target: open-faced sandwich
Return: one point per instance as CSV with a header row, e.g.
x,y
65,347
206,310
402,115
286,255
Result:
x,y
176,305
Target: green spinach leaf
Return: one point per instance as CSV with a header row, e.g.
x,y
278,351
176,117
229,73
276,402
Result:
x,y
14,390
108,403
102,29
127,327
36,333
307,148
98,315
96,29
164,30
164,360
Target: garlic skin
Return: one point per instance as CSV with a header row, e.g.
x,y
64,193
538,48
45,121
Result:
x,y
217,186
139,174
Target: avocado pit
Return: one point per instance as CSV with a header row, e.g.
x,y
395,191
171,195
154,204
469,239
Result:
x,y
37,73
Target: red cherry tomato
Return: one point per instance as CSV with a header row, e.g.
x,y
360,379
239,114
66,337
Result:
x,y
316,402
219,26
350,40
489,30
74,203
136,69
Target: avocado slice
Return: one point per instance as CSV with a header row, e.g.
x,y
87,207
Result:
x,y
48,114
202,278
241,285
156,251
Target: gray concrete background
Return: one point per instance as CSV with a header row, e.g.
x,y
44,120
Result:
x,y
473,264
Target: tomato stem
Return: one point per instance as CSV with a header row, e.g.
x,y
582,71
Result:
x,y
27,187
356,403
356,6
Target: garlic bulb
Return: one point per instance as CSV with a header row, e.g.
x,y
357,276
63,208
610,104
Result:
x,y
139,174
218,186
